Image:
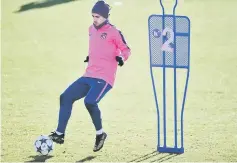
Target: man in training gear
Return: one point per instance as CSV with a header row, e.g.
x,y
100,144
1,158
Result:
x,y
107,50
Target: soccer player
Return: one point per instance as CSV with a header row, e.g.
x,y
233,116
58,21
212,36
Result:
x,y
107,50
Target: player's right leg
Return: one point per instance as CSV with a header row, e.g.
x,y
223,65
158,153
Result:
x,y
57,137
75,91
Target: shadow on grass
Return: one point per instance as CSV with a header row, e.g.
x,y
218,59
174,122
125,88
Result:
x,y
154,157
88,158
42,4
39,158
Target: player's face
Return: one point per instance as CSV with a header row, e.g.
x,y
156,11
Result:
x,y
97,19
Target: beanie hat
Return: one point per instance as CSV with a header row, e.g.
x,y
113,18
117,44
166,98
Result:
x,y
101,8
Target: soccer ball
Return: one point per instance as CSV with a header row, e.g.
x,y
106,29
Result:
x,y
43,145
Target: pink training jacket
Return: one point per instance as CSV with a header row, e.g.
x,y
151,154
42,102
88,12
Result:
x,y
105,44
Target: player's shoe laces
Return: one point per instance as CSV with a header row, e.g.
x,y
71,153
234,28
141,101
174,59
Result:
x,y
99,142
57,138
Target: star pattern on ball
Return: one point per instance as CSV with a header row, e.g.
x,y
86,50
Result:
x,y
43,140
50,148
38,149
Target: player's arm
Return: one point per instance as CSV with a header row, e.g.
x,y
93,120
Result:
x,y
87,57
123,47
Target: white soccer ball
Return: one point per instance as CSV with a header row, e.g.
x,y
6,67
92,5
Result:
x,y
43,145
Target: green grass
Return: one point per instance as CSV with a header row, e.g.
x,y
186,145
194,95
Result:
x,y
43,52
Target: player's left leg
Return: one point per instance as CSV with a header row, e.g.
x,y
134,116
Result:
x,y
98,90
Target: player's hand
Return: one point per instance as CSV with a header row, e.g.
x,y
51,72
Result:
x,y
119,60
87,59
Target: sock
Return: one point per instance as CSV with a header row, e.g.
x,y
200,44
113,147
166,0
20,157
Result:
x,y
99,132
59,133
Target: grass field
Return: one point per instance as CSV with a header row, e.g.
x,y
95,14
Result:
x,y
43,49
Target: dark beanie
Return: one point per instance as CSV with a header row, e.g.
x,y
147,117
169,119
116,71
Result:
x,y
101,8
